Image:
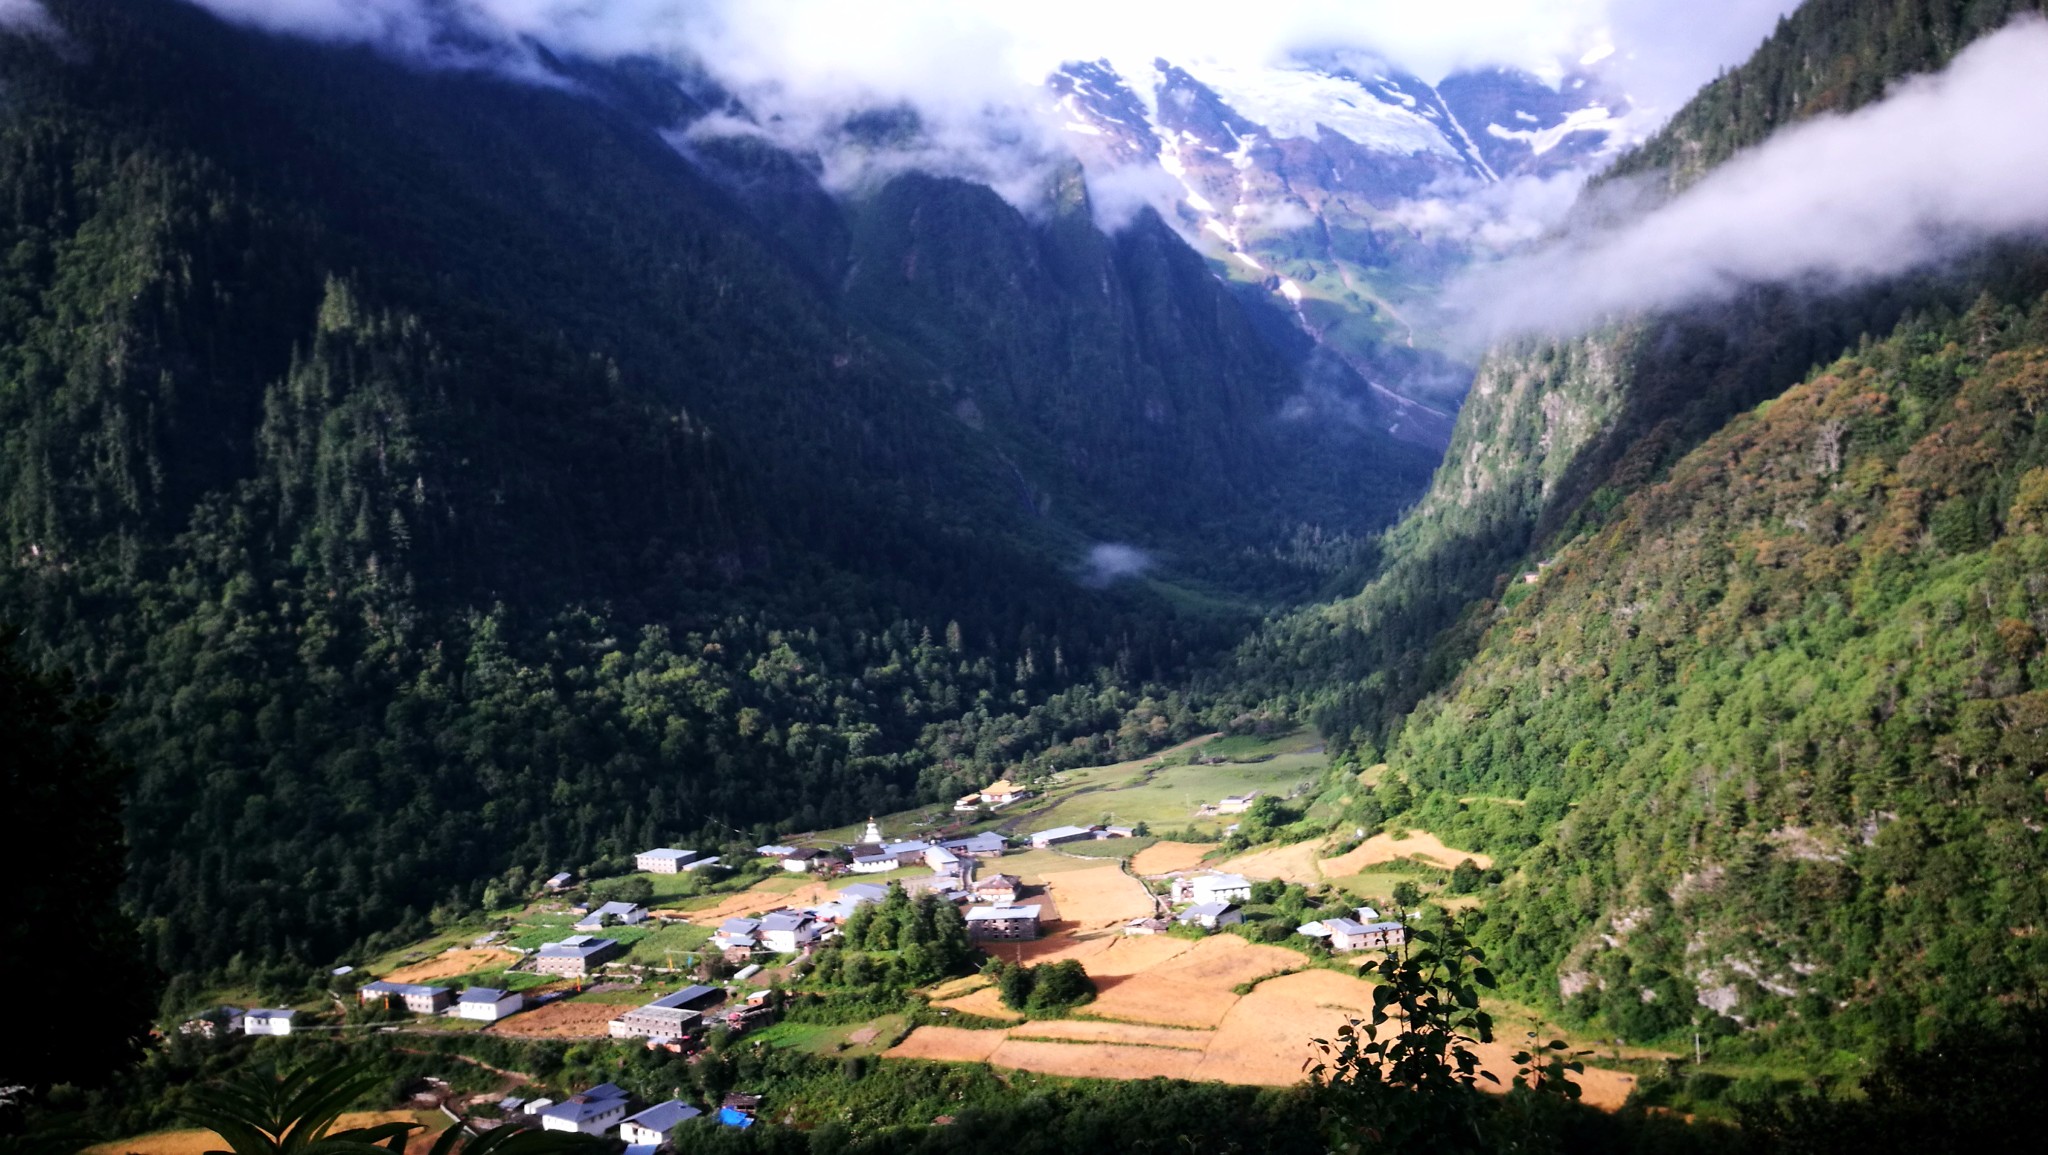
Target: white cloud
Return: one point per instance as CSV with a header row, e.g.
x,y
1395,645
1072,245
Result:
x,y
972,68
1112,561
1117,195
1494,218
24,16
1942,163
953,47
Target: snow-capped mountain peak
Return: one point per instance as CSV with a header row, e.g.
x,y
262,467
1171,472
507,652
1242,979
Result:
x,y
1317,180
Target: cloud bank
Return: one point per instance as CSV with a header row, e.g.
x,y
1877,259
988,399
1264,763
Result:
x,y
973,49
1943,163
972,70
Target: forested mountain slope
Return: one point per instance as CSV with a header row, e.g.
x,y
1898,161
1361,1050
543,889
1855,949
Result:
x,y
451,480
1826,56
1553,432
1732,663
1770,740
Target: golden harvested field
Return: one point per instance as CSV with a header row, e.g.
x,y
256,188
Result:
x,y
199,1141
1095,1060
1296,863
1083,946
1168,1007
1167,857
1097,897
948,1045
1158,999
1094,1031
1265,1036
1386,848
954,988
1263,1039
1131,954
754,900
1226,960
1192,989
985,1002
560,1021
450,963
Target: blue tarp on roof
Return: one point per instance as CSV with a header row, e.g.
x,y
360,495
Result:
x,y
732,1118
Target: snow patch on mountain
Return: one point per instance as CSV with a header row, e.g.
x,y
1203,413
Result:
x,y
1301,102
1593,118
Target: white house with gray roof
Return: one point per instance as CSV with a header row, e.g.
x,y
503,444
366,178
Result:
x,y
1211,915
575,956
987,844
1007,923
620,913
664,860
1212,886
415,997
737,934
1348,935
1059,834
489,1004
668,1017
789,931
657,1123
592,1112
269,1021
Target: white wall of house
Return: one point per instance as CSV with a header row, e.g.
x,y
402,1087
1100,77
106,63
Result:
x,y
491,1012
595,1125
267,1026
633,1133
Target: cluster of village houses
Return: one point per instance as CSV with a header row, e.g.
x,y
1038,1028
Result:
x,y
607,1108
1209,900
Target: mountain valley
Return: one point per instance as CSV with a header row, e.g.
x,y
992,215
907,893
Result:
x,y
432,477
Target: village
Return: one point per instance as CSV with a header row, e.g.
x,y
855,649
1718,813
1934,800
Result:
x,y
1199,972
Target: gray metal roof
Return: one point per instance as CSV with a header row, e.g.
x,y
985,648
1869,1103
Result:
x,y
1002,913
576,946
688,994
663,1116
482,995
1062,832
588,1105
621,909
402,989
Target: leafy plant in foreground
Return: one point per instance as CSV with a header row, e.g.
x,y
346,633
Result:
x,y
1411,1071
295,1113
